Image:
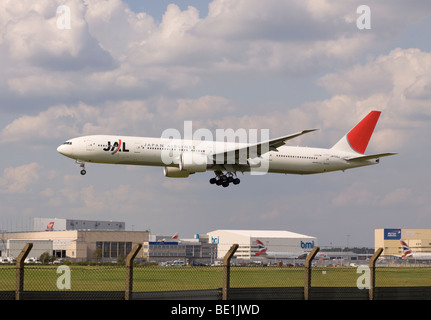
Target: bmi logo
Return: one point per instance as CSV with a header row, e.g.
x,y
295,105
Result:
x,y
307,245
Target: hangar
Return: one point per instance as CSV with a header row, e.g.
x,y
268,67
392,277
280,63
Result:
x,y
419,240
274,241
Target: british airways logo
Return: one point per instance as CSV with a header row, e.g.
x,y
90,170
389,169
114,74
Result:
x,y
116,147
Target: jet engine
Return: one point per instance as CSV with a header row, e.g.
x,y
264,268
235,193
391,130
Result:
x,y
193,162
173,172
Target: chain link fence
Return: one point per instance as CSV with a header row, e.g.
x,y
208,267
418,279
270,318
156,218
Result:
x,y
151,281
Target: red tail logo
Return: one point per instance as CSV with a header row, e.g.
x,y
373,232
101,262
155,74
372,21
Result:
x,y
360,135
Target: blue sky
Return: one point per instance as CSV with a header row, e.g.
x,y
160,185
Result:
x,y
140,67
157,8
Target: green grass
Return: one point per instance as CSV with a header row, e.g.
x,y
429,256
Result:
x,y
112,278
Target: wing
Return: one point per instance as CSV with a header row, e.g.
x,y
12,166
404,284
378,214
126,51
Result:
x,y
241,154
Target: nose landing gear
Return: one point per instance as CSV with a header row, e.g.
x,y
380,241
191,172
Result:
x,y
82,165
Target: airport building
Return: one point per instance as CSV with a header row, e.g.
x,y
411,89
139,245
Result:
x,y
74,239
76,245
56,224
88,240
419,240
191,251
274,241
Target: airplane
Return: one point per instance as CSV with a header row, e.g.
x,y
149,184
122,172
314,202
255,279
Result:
x,y
180,157
263,252
408,253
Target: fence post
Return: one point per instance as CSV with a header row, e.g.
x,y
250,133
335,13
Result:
x,y
129,271
226,271
307,283
20,270
372,266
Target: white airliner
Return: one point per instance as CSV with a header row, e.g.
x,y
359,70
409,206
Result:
x,y
408,253
264,253
180,157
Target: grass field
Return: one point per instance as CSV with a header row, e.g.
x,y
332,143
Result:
x,y
112,278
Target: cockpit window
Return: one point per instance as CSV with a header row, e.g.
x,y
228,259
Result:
x,y
68,142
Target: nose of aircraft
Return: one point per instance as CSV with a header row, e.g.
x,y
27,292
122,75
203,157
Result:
x,y
65,150
61,149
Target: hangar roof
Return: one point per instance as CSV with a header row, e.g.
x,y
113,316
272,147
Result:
x,y
266,233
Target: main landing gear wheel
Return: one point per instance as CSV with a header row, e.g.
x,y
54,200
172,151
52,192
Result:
x,y
224,180
83,172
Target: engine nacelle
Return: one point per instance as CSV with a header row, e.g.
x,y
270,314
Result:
x,y
172,172
193,162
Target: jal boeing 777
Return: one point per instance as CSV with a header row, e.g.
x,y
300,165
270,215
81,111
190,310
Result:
x,y
180,157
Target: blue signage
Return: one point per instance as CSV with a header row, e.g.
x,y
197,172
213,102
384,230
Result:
x,y
392,234
307,245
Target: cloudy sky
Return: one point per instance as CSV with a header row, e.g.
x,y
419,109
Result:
x,y
135,67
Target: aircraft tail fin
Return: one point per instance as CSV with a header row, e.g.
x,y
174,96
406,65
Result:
x,y
406,250
356,140
262,248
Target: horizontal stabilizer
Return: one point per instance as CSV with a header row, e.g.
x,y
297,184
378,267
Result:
x,y
370,157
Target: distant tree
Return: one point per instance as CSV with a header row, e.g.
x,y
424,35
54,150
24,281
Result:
x,y
121,258
45,258
97,254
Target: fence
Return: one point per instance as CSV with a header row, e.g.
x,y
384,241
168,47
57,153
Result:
x,y
134,282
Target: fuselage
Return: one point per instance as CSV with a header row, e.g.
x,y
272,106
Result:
x,y
148,151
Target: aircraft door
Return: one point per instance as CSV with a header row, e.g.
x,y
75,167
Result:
x,y
138,147
90,145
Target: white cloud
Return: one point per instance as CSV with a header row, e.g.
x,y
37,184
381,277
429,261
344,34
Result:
x,y
356,195
205,106
18,180
64,122
33,37
120,53
391,83
54,123
420,89
398,196
116,28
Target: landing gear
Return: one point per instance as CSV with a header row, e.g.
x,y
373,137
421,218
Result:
x,y
82,165
225,179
